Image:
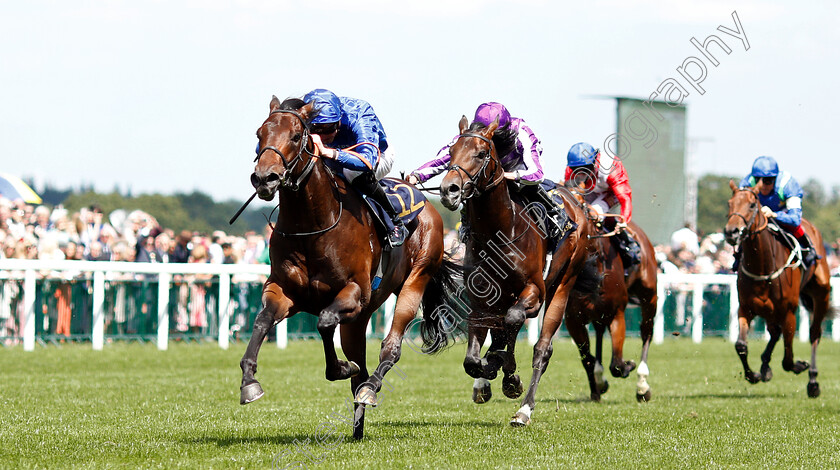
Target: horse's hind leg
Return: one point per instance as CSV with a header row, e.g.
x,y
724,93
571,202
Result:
x,y
618,366
276,307
353,342
765,371
346,304
821,303
476,366
648,307
526,306
788,331
577,330
741,346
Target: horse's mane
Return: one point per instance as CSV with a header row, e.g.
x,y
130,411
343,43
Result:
x,y
504,138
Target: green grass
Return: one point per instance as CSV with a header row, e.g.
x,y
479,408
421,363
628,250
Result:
x,y
135,407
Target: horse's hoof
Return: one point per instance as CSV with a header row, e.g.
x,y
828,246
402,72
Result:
x,y
752,378
800,367
766,373
250,392
520,420
813,390
366,397
643,397
482,392
604,387
354,369
512,388
596,397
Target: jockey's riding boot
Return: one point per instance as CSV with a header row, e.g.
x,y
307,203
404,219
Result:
x,y
809,254
464,228
632,251
367,184
539,194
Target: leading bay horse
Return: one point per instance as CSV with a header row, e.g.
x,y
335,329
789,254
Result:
x,y
771,283
607,309
325,251
506,261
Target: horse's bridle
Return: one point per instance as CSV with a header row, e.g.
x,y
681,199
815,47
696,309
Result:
x,y
287,180
480,173
753,216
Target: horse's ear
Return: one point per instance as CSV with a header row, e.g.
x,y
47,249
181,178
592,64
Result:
x,y
307,111
463,125
489,130
733,186
275,104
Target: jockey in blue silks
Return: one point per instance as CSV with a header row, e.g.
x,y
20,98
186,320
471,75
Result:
x,y
347,131
781,199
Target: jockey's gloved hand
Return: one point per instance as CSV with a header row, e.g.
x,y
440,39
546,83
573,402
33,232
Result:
x,y
412,179
621,226
767,212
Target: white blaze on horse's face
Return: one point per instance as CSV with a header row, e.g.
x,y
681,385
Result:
x,y
743,211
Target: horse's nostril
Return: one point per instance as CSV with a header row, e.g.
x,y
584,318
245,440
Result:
x,y
453,188
272,177
255,180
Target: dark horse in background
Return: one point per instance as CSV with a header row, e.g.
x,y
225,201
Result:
x,y
506,260
325,251
771,283
607,309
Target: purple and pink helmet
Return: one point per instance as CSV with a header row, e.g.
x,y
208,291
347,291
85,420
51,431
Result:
x,y
488,112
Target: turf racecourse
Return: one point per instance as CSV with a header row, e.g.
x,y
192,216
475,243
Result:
x,y
133,406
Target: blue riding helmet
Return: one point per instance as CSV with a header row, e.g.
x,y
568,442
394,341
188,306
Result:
x,y
765,167
488,112
582,154
327,104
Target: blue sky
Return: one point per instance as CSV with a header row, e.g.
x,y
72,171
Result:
x,y
165,96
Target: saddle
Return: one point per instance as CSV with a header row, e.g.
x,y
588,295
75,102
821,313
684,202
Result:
x,y
406,200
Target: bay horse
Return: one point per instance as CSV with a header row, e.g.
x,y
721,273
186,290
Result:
x,y
321,264
771,283
506,260
607,309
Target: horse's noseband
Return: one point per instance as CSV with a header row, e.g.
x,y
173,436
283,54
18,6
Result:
x,y
287,179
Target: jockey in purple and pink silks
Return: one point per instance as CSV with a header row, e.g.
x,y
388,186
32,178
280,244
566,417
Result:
x,y
521,165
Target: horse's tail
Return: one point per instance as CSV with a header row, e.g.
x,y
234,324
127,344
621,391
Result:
x,y
589,280
444,310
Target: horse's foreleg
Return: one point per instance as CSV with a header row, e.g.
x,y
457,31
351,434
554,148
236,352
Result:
x,y
346,304
618,366
474,365
576,325
741,347
276,307
789,331
542,352
766,372
527,306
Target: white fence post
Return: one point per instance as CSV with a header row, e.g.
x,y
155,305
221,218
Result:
x,y
29,310
282,331
163,311
659,318
224,311
697,313
835,302
734,327
804,324
98,333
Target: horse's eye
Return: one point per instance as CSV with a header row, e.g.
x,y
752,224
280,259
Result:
x,y
481,155
296,137
752,205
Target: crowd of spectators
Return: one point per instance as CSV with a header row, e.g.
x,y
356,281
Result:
x,y
38,232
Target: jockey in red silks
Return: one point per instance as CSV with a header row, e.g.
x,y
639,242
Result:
x,y
521,162
347,131
781,199
605,183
